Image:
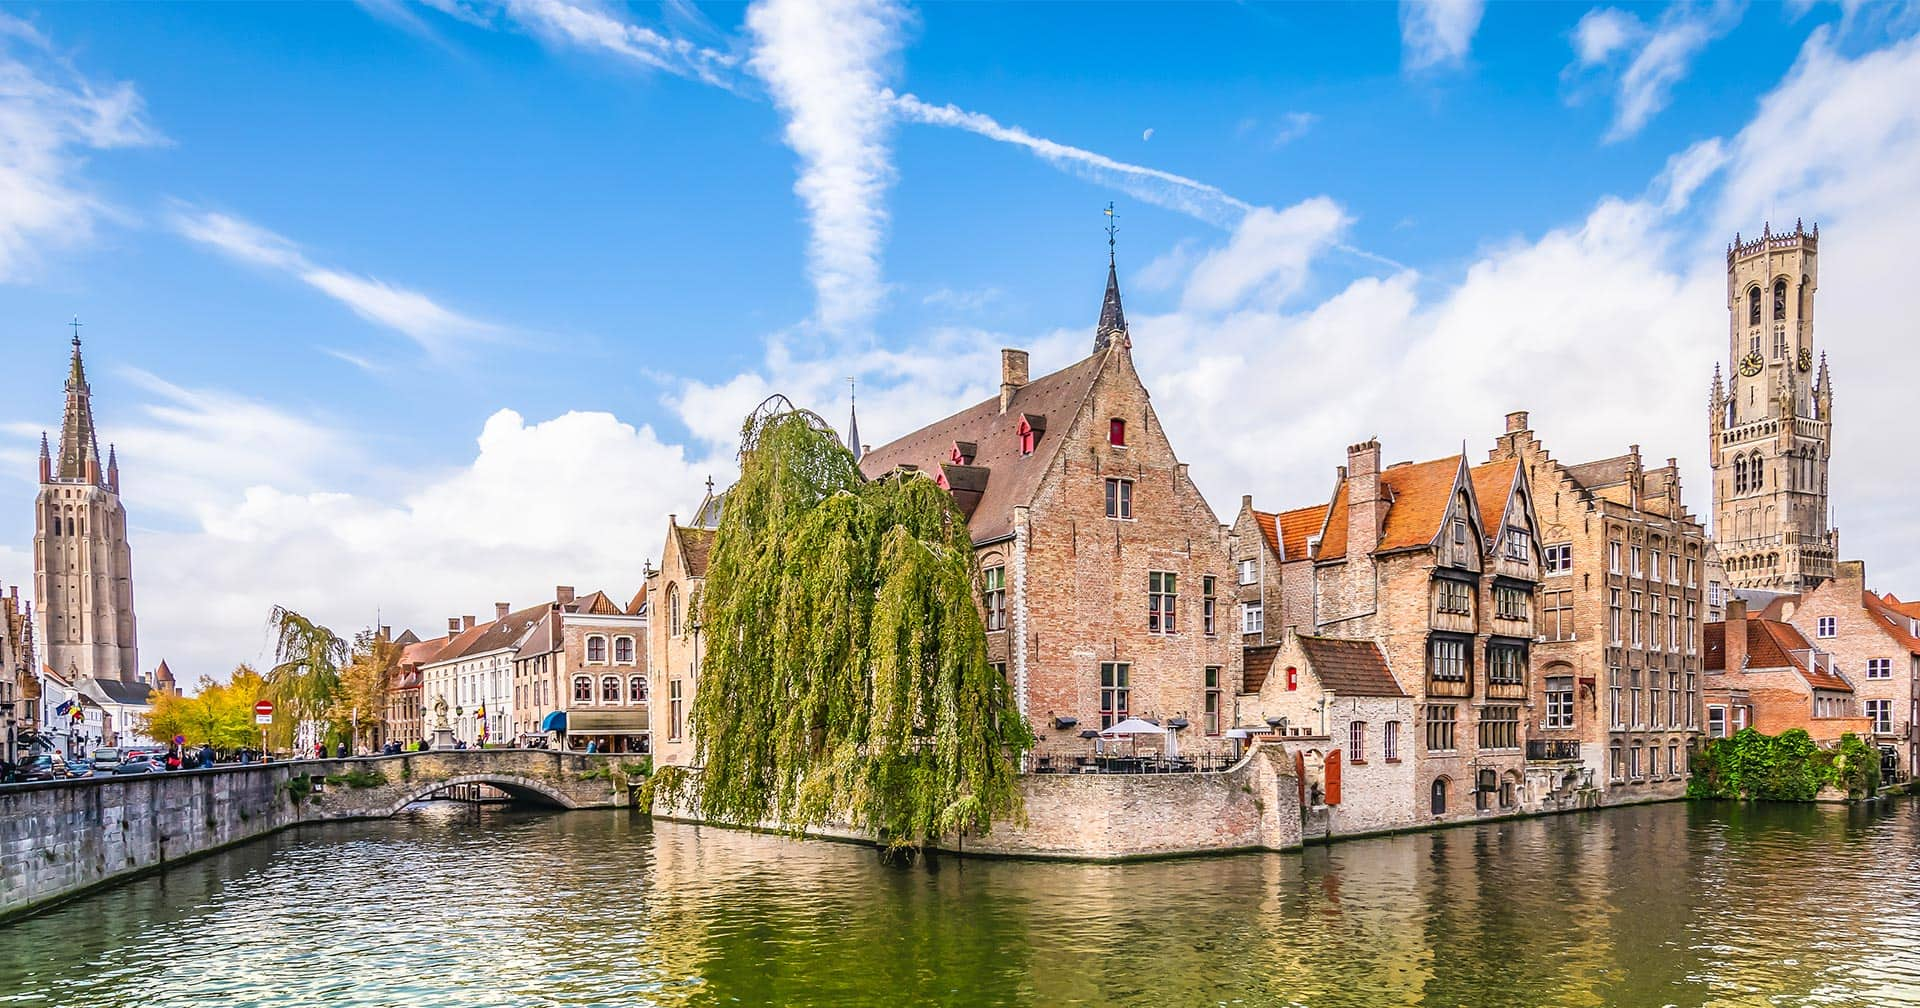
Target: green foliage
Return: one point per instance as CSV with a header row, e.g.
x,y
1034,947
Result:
x,y
358,778
1787,767
298,788
844,675
215,712
304,681
667,780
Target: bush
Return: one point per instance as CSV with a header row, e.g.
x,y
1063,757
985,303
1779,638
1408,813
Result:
x,y
358,779
1787,767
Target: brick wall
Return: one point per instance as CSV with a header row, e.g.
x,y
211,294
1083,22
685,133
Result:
x,y
1860,637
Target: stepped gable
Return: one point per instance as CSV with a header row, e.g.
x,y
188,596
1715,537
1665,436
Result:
x,y
1350,667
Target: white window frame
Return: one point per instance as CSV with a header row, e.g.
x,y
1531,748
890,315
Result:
x,y
1826,627
1252,618
1249,572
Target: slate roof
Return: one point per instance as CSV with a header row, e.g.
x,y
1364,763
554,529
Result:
x,y
540,641
1011,479
1350,667
123,692
1600,472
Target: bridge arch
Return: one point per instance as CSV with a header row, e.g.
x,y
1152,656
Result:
x,y
522,788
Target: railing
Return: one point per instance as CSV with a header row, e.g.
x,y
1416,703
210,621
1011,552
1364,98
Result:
x,y
1073,763
1549,750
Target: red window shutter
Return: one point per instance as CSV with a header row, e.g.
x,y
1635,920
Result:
x,y
1333,777
1293,678
1117,432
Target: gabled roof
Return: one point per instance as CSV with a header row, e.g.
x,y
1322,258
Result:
x,y
1600,472
1493,486
638,606
1255,663
540,641
1908,608
1772,644
424,651
696,547
595,603
121,691
1011,479
1896,623
1417,496
495,636
1296,527
1350,667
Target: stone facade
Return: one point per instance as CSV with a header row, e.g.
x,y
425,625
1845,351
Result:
x,y
1763,673
83,565
588,661
1105,574
1615,692
673,606
1874,647
1771,425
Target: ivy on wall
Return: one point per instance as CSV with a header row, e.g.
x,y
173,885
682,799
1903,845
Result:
x,y
1784,767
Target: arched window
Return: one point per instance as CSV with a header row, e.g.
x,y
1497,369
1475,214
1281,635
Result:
x,y
1780,299
596,650
623,650
582,689
1759,472
610,689
673,610
1439,796
1753,305
1740,474
637,689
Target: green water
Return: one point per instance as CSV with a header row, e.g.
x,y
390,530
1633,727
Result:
x,y
1667,905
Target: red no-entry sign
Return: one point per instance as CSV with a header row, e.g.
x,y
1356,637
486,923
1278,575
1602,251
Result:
x,y
263,712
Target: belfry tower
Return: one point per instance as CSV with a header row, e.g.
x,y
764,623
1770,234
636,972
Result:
x,y
1771,420
83,569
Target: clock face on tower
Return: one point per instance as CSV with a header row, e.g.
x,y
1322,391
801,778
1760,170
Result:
x,y
1806,359
1751,364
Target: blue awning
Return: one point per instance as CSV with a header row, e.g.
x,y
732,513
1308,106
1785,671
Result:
x,y
556,721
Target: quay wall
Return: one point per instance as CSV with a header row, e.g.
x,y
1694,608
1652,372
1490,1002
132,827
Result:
x,y
62,838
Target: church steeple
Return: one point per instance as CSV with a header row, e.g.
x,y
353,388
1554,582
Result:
x,y
1113,320
853,424
79,447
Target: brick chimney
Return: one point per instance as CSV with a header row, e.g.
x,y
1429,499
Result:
x,y
1013,375
1517,422
466,622
500,610
1736,648
563,594
1364,506
386,632
1851,575
453,626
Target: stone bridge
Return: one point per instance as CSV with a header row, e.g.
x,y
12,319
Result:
x,y
61,838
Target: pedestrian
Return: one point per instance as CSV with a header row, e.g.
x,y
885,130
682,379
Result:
x,y
206,754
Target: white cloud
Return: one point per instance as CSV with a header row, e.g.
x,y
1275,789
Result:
x,y
594,27
51,117
437,329
1663,53
1266,259
827,67
1437,33
1293,126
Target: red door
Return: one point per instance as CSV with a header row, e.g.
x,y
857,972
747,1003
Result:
x,y
1333,777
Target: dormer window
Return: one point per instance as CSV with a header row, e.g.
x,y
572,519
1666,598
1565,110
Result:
x,y
1117,432
1027,437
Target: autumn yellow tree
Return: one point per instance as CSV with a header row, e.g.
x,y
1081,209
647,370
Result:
x,y
215,712
361,703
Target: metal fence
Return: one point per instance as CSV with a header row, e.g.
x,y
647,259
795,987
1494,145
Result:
x,y
1057,762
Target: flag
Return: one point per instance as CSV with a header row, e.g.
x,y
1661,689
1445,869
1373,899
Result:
x,y
61,711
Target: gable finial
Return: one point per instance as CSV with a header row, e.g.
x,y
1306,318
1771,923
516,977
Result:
x,y
1113,228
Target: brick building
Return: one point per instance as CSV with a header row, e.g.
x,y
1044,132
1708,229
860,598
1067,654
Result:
x,y
405,721
1103,569
1436,563
1874,645
1763,673
1617,667
673,604
580,676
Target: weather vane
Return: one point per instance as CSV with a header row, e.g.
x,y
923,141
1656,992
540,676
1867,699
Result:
x,y
1113,227
76,323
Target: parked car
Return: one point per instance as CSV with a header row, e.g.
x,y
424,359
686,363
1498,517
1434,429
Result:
x,y
107,757
44,767
79,768
140,765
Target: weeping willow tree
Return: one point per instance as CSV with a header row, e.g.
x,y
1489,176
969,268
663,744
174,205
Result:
x,y
305,677
845,675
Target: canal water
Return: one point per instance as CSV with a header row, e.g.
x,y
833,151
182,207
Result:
x,y
1662,905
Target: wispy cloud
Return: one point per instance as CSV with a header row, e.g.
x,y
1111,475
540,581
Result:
x,y
437,329
826,66
591,26
1661,55
1437,34
50,118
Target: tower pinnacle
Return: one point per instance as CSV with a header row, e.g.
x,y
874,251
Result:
x,y
1113,320
853,424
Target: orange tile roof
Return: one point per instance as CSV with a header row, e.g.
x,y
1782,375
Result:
x,y
1297,526
1265,520
1333,545
1421,492
1771,644
1492,485
1893,620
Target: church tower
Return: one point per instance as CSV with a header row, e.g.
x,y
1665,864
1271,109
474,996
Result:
x,y
1771,419
83,569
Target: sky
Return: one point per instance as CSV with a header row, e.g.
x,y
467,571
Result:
x,y
397,310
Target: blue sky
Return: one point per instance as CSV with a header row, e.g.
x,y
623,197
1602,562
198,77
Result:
x,y
319,249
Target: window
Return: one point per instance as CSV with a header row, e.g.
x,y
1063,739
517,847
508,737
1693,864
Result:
x,y
1114,694
1716,722
673,610
1455,597
1693,694
636,689
1753,305
1673,699
1613,556
1639,624
1827,626
1613,615
1879,668
1560,558
1637,561
1390,743
1250,618
1692,572
1559,701
582,689
1633,763
1485,783
676,707
1460,553
994,579
1117,433
1162,594
1511,603
1558,615
1440,725
610,689
596,650
1779,300
1214,697
1653,624
623,650
1633,691
1616,712
1506,663
1693,615
1616,767
1673,759
1881,712
1519,544
1448,659
1357,742
1206,604
1500,727
1248,572
1120,498
1653,572
1439,796
1673,624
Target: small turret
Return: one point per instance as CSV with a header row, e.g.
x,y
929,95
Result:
x,y
46,459
113,470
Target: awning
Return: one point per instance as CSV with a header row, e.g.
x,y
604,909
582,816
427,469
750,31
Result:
x,y
1134,726
556,721
612,722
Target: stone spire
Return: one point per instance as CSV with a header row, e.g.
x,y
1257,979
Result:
x,y
853,423
79,447
1113,321
46,460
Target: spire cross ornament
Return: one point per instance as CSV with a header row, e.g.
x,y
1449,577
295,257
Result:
x,y
76,324
1113,227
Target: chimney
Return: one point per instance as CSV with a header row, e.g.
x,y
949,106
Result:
x,y
1736,635
453,626
1013,375
466,622
1364,506
1517,422
563,594
500,610
1852,575
386,632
